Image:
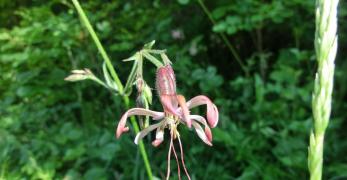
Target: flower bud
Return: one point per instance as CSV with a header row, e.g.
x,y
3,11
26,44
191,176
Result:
x,y
144,98
79,75
144,90
141,100
142,103
147,93
139,84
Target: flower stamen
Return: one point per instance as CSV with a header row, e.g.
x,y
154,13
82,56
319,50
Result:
x,y
177,161
168,161
182,158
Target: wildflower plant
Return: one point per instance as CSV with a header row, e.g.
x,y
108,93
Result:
x,y
112,80
175,108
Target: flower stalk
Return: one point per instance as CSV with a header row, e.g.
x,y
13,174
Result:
x,y
116,80
97,42
326,47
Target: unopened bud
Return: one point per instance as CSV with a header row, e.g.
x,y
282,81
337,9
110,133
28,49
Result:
x,y
147,93
144,98
76,77
144,90
142,102
139,84
79,75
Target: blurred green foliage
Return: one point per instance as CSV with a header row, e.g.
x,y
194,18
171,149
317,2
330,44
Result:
x,y
52,129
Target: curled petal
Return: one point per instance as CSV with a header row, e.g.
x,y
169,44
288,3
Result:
x,y
145,131
159,137
185,111
212,111
199,119
208,133
202,134
202,120
135,111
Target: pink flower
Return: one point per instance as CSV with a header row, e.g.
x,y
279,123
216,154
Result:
x,y
175,112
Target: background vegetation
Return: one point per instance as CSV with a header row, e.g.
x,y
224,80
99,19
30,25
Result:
x,y
52,129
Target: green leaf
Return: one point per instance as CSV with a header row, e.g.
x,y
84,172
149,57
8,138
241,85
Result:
x,y
74,153
149,45
95,173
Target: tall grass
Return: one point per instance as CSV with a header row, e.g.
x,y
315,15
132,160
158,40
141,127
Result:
x,y
326,47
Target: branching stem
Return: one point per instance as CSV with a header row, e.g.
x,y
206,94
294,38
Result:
x,y
114,75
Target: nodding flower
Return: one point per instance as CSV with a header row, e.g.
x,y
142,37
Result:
x,y
175,112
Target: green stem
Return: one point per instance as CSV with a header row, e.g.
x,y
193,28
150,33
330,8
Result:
x,y
97,80
224,38
326,47
141,145
116,79
98,44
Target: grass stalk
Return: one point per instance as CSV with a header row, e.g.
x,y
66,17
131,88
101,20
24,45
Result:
x,y
114,75
326,47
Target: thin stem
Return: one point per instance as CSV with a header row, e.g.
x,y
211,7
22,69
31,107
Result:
x,y
141,145
224,38
98,44
97,80
116,79
326,47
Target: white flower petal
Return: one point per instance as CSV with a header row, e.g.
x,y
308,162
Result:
x,y
199,119
145,131
136,111
159,137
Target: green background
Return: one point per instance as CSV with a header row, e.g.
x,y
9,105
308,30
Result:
x,y
53,129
